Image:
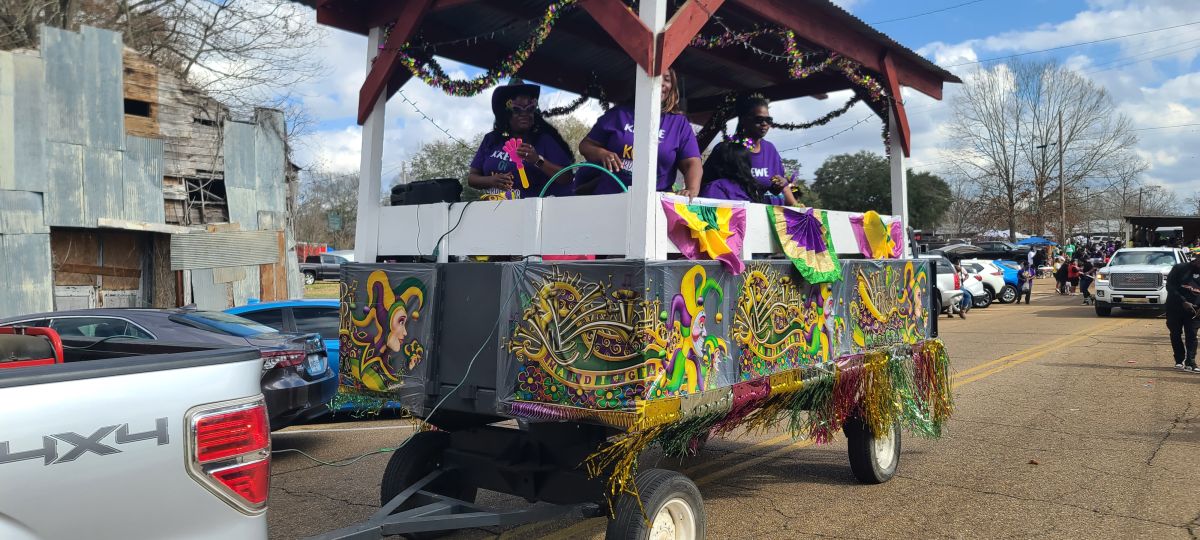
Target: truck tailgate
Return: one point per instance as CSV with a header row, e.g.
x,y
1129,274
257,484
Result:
x,y
97,449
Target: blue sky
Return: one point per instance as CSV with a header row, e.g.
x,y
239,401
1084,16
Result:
x,y
1154,78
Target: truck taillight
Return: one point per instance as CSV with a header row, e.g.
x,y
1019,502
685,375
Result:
x,y
229,451
222,435
282,358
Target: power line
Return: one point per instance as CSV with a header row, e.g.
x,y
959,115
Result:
x,y
948,8
1166,127
1073,45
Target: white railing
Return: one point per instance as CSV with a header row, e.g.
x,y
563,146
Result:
x,y
552,226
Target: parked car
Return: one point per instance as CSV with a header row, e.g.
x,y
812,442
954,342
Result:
x,y
1136,278
947,287
135,439
323,266
1012,280
296,378
319,316
990,275
995,250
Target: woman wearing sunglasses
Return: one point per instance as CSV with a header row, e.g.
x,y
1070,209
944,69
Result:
x,y
610,145
754,121
542,151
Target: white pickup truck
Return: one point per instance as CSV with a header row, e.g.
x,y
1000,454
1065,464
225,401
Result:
x,y
133,439
1136,278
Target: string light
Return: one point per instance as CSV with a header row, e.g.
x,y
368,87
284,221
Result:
x,y
426,117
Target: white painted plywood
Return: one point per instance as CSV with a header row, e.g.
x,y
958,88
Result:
x,y
412,230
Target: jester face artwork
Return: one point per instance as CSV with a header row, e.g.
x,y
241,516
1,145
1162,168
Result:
x,y
377,353
683,357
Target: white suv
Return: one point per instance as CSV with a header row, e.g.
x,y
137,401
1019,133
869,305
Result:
x,y
1136,278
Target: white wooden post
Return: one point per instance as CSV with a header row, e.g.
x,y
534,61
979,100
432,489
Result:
x,y
366,229
899,175
647,111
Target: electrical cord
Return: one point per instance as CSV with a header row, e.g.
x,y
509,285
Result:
x,y
466,374
339,463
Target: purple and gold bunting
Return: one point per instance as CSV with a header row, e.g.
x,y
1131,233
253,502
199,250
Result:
x,y
707,232
804,236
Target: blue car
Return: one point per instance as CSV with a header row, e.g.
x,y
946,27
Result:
x,y
319,316
1011,283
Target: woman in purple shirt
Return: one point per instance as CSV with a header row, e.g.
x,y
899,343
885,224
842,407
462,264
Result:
x,y
610,145
727,175
542,151
754,120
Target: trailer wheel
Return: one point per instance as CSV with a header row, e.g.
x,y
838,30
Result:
x,y
673,505
421,455
873,460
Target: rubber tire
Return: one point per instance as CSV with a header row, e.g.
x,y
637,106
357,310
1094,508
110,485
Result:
x,y
1008,294
310,278
656,487
1103,310
983,301
861,452
421,455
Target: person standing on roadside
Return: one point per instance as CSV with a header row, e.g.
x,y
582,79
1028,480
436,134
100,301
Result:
x,y
1060,276
1025,282
1087,274
1183,292
1073,276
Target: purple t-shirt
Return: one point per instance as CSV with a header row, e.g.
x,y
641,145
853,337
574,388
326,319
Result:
x,y
492,159
676,142
724,188
766,164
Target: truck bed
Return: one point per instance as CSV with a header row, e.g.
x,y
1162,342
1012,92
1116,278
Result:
x,y
96,447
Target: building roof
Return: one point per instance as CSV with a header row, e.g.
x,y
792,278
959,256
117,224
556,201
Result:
x,y
579,53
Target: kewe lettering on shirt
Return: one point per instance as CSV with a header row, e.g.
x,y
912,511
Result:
x,y
627,152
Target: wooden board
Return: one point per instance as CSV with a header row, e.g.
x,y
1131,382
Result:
x,y
141,84
75,247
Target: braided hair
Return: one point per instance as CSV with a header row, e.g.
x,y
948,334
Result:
x,y
747,104
731,160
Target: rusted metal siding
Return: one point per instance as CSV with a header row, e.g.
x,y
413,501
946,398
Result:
x,y
22,122
103,192
25,285
64,186
269,160
21,213
142,180
215,250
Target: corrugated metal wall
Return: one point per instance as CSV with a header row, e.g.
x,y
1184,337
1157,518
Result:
x,y
66,161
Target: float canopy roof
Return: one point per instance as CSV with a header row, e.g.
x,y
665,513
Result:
x,y
582,50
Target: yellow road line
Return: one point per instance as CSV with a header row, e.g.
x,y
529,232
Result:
x,y
593,525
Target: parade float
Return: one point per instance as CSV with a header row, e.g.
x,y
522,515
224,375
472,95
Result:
x,y
692,318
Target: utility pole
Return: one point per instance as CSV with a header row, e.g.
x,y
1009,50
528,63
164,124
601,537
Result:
x,y
1062,190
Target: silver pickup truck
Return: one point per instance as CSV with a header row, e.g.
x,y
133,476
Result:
x,y
135,439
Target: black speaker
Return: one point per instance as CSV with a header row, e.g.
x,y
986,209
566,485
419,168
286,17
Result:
x,y
427,191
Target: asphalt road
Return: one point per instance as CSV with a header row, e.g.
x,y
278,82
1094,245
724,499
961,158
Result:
x,y
1067,426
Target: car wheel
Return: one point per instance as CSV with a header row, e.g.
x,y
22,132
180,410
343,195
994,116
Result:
x,y
1103,310
310,278
673,509
1008,294
983,300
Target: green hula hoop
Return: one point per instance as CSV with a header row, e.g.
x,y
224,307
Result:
x,y
578,165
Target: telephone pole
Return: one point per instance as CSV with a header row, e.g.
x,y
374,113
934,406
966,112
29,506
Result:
x,y
1062,190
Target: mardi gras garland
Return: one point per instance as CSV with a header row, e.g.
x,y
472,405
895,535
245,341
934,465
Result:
x,y
424,67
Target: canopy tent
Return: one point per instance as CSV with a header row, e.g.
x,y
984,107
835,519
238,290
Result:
x,y
1036,241
601,49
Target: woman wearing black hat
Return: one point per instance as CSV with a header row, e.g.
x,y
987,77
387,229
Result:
x,y
754,120
542,150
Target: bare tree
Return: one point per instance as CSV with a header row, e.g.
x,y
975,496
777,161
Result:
x,y
1094,137
1009,119
988,123
245,53
968,210
327,208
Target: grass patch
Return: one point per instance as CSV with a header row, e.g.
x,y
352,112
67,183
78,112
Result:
x,y
321,289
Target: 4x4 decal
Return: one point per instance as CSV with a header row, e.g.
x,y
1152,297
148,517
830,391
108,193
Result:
x,y
81,444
